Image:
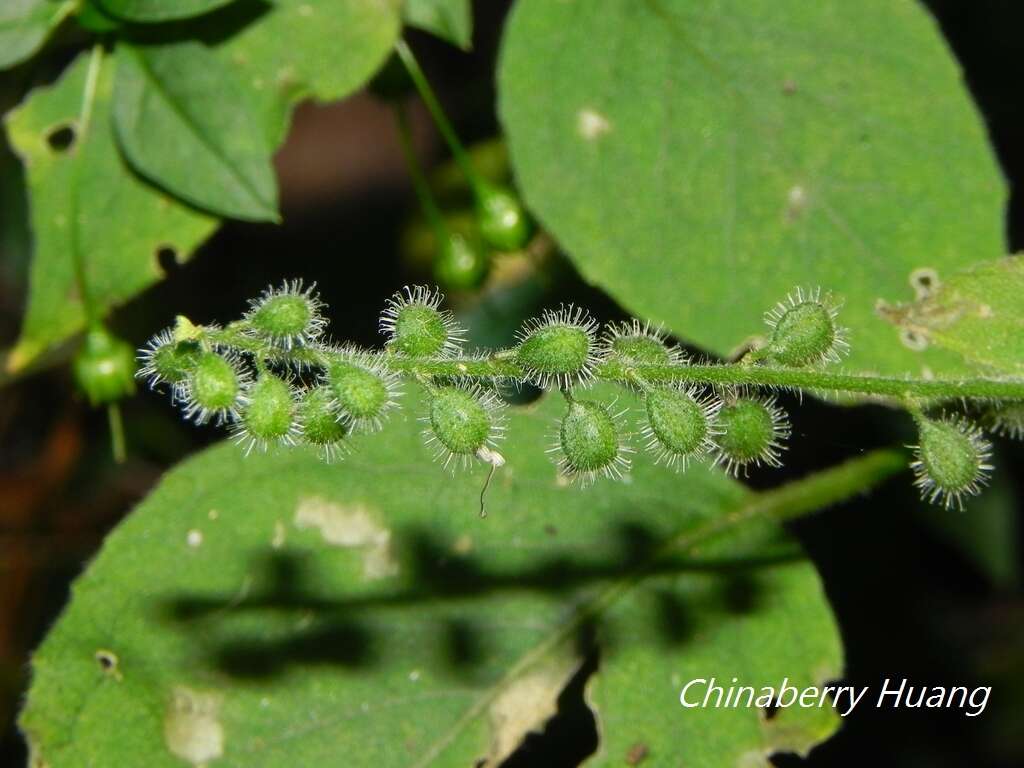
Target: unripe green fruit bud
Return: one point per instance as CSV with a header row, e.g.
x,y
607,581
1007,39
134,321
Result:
x,y
320,418
105,367
632,344
503,223
461,422
588,440
951,460
558,349
678,425
213,387
174,362
804,330
363,395
269,414
1007,419
287,316
417,327
460,264
751,433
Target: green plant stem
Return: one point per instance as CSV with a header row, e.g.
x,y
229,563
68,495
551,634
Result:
x,y
92,315
117,441
419,180
502,366
739,375
426,92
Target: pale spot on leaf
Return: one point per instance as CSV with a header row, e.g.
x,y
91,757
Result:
x,y
191,728
352,527
194,538
591,124
279,535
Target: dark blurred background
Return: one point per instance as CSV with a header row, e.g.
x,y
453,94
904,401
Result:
x,y
918,593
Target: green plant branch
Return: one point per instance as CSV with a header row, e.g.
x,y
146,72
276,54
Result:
x,y
92,315
426,92
501,366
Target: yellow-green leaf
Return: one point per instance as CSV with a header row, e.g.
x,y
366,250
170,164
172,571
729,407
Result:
x,y
976,313
700,160
84,200
275,610
451,20
184,121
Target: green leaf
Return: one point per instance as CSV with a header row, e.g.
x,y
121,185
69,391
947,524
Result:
x,y
25,25
276,610
85,201
307,49
977,313
698,161
451,20
184,121
160,10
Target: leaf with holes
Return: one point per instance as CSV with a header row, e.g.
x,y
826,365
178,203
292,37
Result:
x,y
183,121
160,10
304,49
25,25
78,185
451,20
274,609
977,314
698,161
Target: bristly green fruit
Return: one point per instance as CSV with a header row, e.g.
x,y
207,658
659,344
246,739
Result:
x,y
804,330
166,360
288,316
363,390
104,367
267,415
752,431
679,424
462,422
589,443
632,343
416,327
461,265
500,216
213,388
320,422
559,348
1007,419
950,460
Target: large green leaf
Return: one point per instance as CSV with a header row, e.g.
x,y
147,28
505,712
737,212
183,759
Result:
x,y
25,25
183,121
85,200
976,313
299,49
700,160
451,20
276,610
160,10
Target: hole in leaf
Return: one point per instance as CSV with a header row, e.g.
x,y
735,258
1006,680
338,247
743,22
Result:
x,y
569,737
167,258
61,138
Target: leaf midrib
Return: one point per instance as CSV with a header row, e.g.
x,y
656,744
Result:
x,y
195,129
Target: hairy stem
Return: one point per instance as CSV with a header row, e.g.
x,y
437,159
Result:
x,y
502,366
